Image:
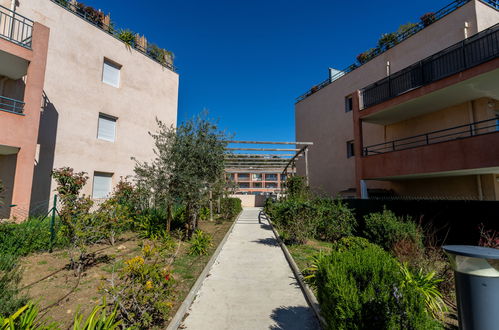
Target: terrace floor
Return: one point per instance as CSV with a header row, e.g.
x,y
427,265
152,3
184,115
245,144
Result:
x,y
251,285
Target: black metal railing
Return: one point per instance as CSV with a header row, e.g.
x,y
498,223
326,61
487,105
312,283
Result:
x,y
15,28
453,6
448,134
478,49
11,105
97,19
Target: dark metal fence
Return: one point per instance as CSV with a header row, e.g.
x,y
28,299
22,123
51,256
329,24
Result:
x,y
11,105
448,134
451,221
478,49
15,28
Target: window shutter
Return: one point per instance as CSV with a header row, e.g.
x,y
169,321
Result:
x,y
111,74
107,128
102,185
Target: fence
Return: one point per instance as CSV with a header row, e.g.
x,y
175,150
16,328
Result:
x,y
478,49
448,134
15,27
454,221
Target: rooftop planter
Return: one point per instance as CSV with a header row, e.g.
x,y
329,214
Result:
x,y
130,38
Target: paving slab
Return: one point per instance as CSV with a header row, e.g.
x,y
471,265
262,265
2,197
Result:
x,y
250,285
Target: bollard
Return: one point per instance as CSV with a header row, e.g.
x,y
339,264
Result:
x,y
476,271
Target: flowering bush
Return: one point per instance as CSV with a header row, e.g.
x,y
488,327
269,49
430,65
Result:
x,y
143,289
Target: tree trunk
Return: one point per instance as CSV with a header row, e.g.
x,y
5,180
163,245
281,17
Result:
x,y
169,216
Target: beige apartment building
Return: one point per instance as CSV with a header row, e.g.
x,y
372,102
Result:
x,y
417,118
98,99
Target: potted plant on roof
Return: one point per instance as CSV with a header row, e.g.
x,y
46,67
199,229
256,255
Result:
x,y
127,36
428,19
387,41
366,56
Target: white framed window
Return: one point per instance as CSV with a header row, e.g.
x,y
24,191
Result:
x,y
111,73
106,129
102,184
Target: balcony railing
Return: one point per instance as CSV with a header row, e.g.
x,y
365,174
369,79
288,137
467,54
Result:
x,y
478,49
453,6
11,105
448,134
15,28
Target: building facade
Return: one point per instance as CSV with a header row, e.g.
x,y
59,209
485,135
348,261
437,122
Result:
x,y
256,182
419,118
98,102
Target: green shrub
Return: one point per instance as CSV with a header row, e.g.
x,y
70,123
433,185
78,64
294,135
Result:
x,y
427,286
230,208
10,275
351,243
32,235
295,220
362,289
385,229
200,243
333,218
296,188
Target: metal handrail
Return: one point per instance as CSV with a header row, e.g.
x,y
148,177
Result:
x,y
419,140
110,29
11,105
453,6
477,49
15,27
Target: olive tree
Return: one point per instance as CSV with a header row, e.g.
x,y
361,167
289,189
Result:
x,y
189,161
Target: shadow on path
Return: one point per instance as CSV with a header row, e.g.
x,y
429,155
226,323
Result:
x,y
293,318
269,241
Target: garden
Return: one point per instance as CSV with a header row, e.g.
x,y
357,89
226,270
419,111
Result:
x,y
381,271
129,261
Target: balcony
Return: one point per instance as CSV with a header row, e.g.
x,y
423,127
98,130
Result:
x,y
448,134
471,52
11,105
15,28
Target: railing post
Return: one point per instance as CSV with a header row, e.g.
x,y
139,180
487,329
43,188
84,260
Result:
x,y
393,145
471,129
427,139
52,224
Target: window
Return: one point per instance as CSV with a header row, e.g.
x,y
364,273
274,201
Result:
x,y
270,177
243,184
107,128
257,184
350,149
243,177
256,177
348,104
271,185
283,177
230,176
102,185
111,73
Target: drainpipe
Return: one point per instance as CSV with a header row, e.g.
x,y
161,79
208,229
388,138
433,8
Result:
x,y
479,186
466,26
471,114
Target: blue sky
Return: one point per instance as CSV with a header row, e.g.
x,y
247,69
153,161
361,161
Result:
x,y
246,61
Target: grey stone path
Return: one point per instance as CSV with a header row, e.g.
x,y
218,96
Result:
x,y
250,286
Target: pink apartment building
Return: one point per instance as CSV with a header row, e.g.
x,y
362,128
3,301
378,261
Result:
x,y
73,94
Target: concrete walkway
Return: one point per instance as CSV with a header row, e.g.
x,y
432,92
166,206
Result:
x,y
250,286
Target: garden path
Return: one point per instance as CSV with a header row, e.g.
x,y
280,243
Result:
x,y
250,286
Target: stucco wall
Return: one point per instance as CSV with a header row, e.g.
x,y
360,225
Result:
x,y
321,117
251,200
75,95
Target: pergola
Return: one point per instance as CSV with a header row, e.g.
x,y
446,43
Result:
x,y
272,156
